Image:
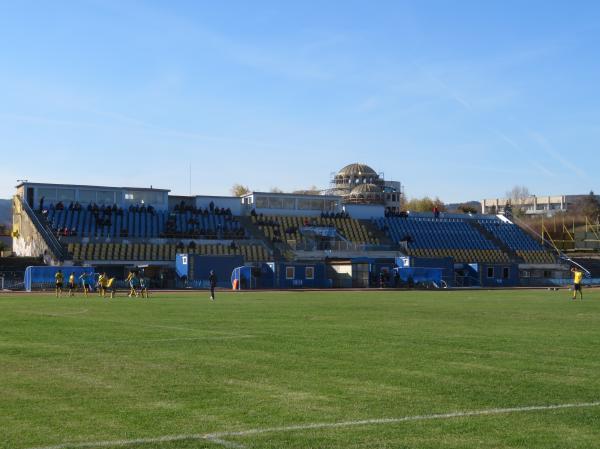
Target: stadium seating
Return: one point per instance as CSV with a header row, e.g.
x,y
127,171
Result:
x,y
457,238
517,240
164,252
284,228
442,237
144,224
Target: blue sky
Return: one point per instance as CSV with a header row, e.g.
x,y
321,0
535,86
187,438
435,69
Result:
x,y
461,100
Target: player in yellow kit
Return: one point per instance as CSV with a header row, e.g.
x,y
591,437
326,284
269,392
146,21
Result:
x,y
111,287
577,278
102,284
72,285
59,278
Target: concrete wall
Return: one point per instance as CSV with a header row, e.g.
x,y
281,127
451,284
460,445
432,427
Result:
x,y
365,211
27,242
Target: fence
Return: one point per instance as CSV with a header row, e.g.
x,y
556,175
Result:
x,y
12,280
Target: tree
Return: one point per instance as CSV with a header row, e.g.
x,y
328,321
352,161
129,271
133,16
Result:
x,y
239,190
517,198
588,206
517,195
467,209
275,190
425,204
312,190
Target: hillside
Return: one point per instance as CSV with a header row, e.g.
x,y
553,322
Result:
x,y
5,212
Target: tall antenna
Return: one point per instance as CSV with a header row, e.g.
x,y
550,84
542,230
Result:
x,y
190,178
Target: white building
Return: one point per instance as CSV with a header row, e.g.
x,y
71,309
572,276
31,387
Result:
x,y
533,205
33,193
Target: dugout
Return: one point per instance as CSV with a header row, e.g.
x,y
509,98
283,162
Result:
x,y
301,275
419,277
42,277
253,276
446,264
193,269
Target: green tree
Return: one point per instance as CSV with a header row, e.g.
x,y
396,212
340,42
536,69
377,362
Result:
x,y
467,209
425,204
588,206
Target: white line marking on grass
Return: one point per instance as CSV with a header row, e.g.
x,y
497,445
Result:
x,y
153,340
465,414
225,443
79,312
217,437
121,443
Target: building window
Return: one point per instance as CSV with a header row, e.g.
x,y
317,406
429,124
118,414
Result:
x,y
275,202
490,272
261,202
105,197
48,194
505,272
289,203
65,195
309,273
87,196
290,272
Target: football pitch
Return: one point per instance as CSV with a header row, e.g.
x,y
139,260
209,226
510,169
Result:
x,y
370,369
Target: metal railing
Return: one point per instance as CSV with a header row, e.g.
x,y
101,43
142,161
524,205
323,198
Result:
x,y
12,280
337,245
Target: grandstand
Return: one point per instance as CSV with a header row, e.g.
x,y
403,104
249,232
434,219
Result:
x,y
465,239
279,228
143,222
123,227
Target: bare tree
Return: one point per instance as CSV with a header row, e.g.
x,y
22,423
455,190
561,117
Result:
x,y
312,190
275,190
517,197
239,190
518,194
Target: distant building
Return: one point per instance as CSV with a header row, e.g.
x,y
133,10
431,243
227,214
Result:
x,y
533,205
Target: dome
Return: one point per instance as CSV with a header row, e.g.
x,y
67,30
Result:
x,y
364,189
360,170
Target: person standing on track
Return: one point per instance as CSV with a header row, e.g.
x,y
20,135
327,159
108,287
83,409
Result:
x,y
212,279
577,278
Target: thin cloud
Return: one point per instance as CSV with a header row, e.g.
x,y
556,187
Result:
x,y
539,167
545,145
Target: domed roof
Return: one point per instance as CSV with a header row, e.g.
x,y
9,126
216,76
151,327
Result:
x,y
356,170
362,189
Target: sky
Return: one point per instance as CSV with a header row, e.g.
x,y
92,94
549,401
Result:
x,y
456,99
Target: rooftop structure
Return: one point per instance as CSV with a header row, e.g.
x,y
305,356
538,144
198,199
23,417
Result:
x,y
358,183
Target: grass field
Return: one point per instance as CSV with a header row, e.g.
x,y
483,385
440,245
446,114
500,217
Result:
x,y
179,372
